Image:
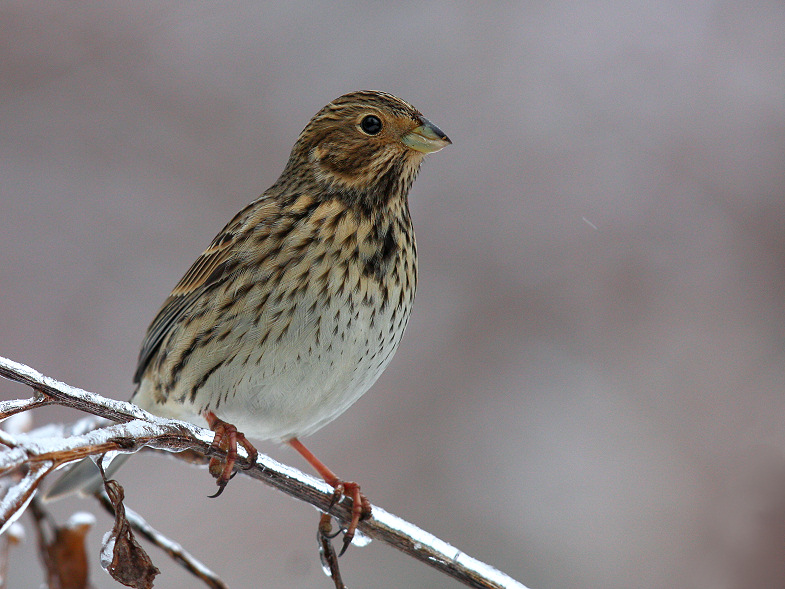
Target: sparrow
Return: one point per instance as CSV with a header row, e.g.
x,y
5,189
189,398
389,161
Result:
x,y
299,303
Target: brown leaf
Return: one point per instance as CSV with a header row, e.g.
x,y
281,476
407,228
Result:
x,y
68,558
65,554
122,556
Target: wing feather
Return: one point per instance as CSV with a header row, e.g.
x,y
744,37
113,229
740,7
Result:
x,y
208,271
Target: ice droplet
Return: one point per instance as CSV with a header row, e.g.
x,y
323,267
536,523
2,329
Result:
x,y
16,532
360,540
107,550
326,570
325,567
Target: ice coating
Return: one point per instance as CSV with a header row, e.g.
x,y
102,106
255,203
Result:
x,y
439,550
79,519
107,550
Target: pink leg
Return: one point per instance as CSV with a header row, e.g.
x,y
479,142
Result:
x,y
361,507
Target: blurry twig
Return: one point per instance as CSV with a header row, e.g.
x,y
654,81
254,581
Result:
x,y
135,429
7,541
329,558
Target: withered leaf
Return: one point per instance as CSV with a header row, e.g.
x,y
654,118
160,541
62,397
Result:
x,y
62,549
69,559
122,556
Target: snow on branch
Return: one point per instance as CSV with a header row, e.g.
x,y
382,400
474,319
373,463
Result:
x,y
34,455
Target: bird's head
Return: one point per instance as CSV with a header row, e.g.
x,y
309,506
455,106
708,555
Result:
x,y
366,142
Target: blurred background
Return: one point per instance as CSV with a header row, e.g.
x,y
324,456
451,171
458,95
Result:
x,y
590,391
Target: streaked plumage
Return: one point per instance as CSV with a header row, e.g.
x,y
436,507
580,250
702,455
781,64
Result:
x,y
299,303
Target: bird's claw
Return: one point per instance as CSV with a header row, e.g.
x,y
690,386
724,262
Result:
x,y
361,509
221,487
226,439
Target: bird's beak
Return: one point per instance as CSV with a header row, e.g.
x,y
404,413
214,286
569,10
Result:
x,y
426,138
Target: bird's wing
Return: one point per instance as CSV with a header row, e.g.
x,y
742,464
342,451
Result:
x,y
210,270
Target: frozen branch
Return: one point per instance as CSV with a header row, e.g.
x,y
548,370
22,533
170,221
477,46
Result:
x,y
43,450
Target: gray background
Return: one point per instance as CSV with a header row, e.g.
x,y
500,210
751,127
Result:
x,y
589,393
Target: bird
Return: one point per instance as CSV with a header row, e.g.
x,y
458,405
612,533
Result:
x,y
299,303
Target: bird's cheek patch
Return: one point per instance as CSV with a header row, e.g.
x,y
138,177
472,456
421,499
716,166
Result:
x,y
349,164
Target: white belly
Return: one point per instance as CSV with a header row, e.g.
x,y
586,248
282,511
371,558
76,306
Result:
x,y
293,386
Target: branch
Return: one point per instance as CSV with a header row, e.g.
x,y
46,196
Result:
x,y
42,451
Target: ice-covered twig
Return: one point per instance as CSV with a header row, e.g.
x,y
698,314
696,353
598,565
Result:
x,y
137,429
19,495
327,554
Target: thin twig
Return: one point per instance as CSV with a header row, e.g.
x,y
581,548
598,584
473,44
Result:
x,y
9,408
327,554
40,520
140,429
6,540
19,495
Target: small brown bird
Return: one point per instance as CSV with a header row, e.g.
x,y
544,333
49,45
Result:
x,y
300,302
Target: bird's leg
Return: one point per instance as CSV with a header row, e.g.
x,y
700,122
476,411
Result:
x,y
361,507
226,439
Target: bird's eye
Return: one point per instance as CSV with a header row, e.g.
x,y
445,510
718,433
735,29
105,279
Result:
x,y
371,125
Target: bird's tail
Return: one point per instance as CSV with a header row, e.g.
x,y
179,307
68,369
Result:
x,y
84,478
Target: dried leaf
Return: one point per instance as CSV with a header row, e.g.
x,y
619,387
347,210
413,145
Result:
x,y
64,553
122,556
68,558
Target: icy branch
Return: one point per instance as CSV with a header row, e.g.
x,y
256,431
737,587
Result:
x,y
43,450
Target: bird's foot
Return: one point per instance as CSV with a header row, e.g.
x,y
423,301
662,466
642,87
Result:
x,y
226,439
361,507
